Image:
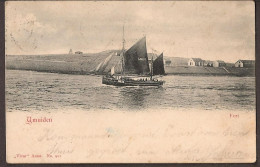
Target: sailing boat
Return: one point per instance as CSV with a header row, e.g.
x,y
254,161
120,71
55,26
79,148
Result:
x,y
135,67
158,66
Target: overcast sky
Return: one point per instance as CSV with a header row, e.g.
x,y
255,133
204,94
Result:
x,y
222,30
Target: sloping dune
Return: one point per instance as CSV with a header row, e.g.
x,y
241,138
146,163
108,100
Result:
x,y
64,63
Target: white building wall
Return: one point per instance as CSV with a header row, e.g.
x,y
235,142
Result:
x,y
238,64
191,63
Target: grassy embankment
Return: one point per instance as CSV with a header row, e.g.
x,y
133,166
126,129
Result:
x,y
62,63
189,70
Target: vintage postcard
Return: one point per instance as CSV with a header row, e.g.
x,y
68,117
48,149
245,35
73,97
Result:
x,y
130,82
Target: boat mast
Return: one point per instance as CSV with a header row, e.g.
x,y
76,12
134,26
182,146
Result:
x,y
151,76
123,53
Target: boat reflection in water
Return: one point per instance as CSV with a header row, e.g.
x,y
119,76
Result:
x,y
134,68
140,98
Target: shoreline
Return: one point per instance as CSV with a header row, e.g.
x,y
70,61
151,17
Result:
x,y
96,74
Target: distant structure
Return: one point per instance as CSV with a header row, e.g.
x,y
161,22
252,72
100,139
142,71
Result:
x,y
70,52
167,62
245,63
78,52
230,64
196,62
208,63
219,63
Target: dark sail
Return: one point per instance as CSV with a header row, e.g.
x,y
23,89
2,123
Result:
x,y
136,59
158,66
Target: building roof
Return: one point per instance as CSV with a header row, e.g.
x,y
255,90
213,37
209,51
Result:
x,y
197,59
247,61
220,61
208,62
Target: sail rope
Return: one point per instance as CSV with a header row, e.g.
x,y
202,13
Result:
x,y
111,41
101,66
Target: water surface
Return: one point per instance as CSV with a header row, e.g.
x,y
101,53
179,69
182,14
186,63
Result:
x,y
30,91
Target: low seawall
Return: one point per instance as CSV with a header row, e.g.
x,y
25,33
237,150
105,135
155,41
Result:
x,y
190,70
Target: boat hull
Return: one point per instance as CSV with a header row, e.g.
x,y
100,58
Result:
x,y
129,82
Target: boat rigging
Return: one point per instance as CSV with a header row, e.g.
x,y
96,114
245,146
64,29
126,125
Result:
x,y
134,62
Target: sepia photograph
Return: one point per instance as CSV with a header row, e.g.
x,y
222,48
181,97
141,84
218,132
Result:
x,y
130,81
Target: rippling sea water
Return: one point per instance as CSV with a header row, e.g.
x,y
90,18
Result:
x,y
30,91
